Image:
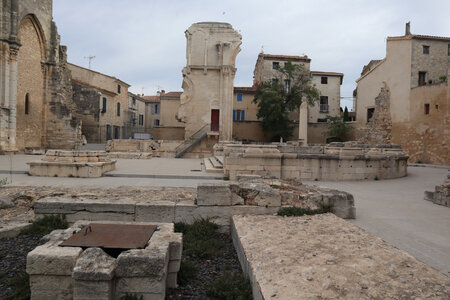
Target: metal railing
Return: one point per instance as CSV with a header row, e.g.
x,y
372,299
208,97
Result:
x,y
192,141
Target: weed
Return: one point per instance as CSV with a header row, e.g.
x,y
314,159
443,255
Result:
x,y
71,175
200,239
187,273
56,175
230,286
226,178
376,178
20,284
299,211
131,296
45,225
2,254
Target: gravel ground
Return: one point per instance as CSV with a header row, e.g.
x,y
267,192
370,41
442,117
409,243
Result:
x,y
13,254
208,271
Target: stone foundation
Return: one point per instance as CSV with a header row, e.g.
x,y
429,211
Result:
x,y
71,273
441,194
336,161
59,163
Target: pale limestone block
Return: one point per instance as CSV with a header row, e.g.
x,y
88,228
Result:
x,y
51,287
94,265
52,260
92,290
212,194
150,262
174,266
147,285
171,280
161,211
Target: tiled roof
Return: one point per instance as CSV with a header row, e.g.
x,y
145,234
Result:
x,y
285,57
94,87
172,94
92,71
327,73
151,98
245,89
420,37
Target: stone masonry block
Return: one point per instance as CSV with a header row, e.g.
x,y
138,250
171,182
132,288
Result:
x,y
51,287
212,194
140,285
52,260
146,262
94,265
92,290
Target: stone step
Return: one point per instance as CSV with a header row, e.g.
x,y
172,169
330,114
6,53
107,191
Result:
x,y
209,168
215,162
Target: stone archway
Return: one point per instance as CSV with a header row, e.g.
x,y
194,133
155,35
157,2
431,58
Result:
x,y
30,85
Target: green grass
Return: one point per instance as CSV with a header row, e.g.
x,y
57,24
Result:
x,y
187,273
200,239
44,226
20,284
231,286
299,211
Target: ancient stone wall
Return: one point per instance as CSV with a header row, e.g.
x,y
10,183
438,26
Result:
x,y
336,161
88,110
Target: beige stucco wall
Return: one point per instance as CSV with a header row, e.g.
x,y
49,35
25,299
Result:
x,y
395,70
264,70
30,80
250,108
169,110
333,90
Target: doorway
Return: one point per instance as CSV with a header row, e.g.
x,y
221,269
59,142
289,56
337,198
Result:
x,y
215,113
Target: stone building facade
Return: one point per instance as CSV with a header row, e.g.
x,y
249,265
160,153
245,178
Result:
x,y
36,92
207,100
415,71
101,103
134,122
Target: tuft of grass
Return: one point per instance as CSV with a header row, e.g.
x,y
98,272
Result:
x,y
130,296
299,211
44,226
187,273
376,178
20,284
200,239
231,286
226,178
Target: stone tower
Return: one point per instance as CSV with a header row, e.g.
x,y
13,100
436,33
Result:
x,y
208,79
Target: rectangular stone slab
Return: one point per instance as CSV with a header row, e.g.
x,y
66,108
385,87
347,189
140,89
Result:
x,y
118,236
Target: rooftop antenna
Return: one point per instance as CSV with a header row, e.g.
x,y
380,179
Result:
x,y
90,58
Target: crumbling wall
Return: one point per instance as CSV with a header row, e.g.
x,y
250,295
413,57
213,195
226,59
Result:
x,y
441,194
87,104
379,128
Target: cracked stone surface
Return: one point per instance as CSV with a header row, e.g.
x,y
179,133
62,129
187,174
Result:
x,y
326,257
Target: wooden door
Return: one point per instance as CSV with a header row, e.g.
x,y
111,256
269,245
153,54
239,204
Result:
x,y
215,120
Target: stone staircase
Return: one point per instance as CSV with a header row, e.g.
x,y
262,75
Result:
x,y
192,141
213,164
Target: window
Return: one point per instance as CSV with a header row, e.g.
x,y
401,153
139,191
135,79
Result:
x,y
104,105
287,85
324,80
119,89
156,122
422,78
323,104
134,101
239,97
238,115
116,132
27,104
108,132
370,112
275,65
426,49
118,109
427,108
155,109
141,120
321,120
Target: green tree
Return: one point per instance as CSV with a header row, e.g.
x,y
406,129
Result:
x,y
346,114
282,95
338,130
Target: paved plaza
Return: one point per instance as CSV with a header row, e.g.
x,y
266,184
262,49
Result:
x,y
391,209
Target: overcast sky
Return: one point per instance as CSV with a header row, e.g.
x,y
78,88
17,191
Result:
x,y
142,42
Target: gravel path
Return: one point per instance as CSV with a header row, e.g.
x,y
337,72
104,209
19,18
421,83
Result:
x,y
208,271
13,254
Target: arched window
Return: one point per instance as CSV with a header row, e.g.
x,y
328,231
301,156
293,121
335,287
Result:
x,y
27,104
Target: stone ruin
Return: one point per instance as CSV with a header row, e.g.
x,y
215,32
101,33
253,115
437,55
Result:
x,y
441,194
335,161
131,149
62,163
72,272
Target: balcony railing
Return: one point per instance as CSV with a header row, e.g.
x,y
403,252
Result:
x,y
323,108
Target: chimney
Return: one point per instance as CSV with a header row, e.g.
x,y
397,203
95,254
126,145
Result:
x,y
408,28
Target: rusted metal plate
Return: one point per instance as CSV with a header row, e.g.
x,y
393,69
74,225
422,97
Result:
x,y
118,236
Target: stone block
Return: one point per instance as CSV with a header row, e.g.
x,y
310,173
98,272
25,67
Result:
x,y
160,211
143,262
145,285
171,281
174,266
51,287
260,194
92,290
94,265
213,194
52,260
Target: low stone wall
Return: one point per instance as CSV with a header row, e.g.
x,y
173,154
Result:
x,y
61,163
130,145
441,194
73,273
336,161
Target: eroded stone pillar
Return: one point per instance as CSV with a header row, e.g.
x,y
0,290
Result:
x,y
208,79
303,124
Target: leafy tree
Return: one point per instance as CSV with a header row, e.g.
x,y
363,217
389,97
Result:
x,y
278,97
338,130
